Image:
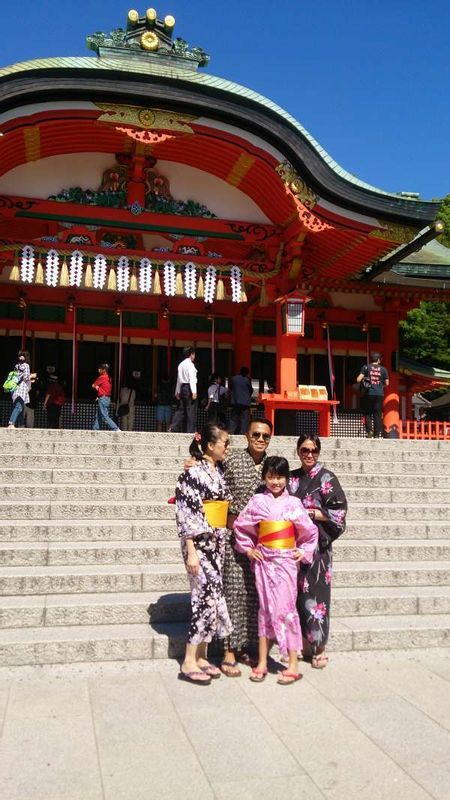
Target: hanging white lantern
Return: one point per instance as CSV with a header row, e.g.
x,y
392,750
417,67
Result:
x,y
123,274
99,276
190,286
210,284
145,275
170,278
52,268
236,284
27,264
76,268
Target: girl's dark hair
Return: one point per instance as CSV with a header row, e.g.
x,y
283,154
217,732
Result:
x,y
105,367
308,436
276,465
210,433
26,356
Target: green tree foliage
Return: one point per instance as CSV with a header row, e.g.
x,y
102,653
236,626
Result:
x,y
425,334
444,216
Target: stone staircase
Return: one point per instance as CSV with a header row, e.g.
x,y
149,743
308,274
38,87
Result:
x,y
89,551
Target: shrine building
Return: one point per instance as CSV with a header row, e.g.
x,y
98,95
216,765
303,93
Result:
x,y
146,205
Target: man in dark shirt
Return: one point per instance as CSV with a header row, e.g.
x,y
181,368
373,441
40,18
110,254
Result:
x,y
241,395
372,400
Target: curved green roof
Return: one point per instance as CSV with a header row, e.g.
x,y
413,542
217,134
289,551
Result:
x,y
152,67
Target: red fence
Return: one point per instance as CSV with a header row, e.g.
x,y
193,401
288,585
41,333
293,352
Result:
x,y
411,429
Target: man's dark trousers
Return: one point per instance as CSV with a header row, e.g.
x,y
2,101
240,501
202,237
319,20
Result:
x,y
186,413
373,406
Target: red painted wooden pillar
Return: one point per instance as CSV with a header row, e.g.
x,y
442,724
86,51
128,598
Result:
x,y
243,342
391,405
286,359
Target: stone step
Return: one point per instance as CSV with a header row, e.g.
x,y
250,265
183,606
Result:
x,y
138,607
174,464
411,512
61,645
64,434
125,509
57,645
97,530
172,577
167,551
119,444
398,632
133,509
161,492
168,478
29,554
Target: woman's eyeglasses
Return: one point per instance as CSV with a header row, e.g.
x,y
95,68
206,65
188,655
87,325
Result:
x,y
309,451
257,435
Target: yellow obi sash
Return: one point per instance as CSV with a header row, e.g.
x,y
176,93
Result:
x,y
279,534
216,512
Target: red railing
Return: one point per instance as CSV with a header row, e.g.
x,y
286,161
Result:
x,y
411,429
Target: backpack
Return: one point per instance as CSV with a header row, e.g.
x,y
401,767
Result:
x,y
366,383
12,381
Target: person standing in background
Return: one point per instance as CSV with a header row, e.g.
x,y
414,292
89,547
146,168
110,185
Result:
x,y
372,401
185,417
54,399
20,395
103,387
216,400
127,399
241,395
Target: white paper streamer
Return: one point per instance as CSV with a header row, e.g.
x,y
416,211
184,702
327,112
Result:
x,y
27,263
190,287
123,274
99,273
52,268
236,284
210,284
76,268
145,275
169,279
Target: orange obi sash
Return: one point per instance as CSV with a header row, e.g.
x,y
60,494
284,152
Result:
x,y
216,512
279,534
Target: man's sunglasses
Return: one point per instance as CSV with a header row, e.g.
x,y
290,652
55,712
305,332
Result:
x,y
309,450
257,435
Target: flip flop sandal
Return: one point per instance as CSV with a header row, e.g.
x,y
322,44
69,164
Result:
x,y
285,674
212,671
232,665
320,661
258,675
189,678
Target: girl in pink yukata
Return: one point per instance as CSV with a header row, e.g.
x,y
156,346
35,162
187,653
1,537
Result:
x,y
275,531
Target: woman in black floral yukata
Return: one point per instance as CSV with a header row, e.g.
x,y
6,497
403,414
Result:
x,y
202,500
324,499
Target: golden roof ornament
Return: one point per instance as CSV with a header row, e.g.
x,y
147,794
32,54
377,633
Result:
x,y
148,36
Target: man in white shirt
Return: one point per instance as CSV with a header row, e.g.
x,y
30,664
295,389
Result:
x,y
185,417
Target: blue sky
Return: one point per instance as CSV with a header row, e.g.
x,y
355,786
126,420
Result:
x,y
370,80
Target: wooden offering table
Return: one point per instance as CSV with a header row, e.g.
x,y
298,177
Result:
x,y
287,402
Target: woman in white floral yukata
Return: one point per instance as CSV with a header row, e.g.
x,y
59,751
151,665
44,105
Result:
x,y
323,497
202,500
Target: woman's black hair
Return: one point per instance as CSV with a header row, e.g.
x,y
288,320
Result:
x,y
276,465
311,437
26,356
210,433
105,367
